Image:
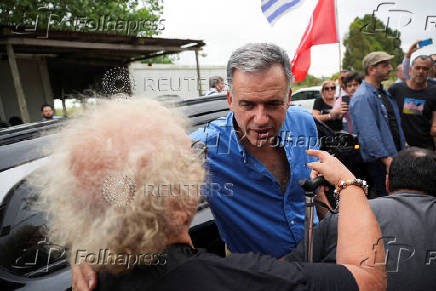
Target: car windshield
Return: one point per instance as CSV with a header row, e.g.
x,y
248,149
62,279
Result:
x,y
23,234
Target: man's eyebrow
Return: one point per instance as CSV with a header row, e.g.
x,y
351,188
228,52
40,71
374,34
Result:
x,y
274,101
246,101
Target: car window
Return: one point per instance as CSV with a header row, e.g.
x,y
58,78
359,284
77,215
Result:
x,y
299,96
306,95
316,94
23,232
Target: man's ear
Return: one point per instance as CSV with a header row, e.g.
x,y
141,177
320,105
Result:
x,y
290,96
387,184
229,99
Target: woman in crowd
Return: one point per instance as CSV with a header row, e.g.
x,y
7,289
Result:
x,y
125,192
350,82
323,107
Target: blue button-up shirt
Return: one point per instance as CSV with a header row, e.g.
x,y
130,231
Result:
x,y
370,123
250,210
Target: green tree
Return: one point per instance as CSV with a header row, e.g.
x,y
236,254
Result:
x,y
114,16
309,81
368,35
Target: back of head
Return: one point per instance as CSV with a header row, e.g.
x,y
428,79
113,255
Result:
x,y
254,57
215,80
104,186
413,169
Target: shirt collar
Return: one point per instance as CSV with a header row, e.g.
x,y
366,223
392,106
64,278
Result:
x,y
241,148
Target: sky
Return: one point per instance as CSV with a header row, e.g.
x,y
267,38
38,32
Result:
x,y
228,24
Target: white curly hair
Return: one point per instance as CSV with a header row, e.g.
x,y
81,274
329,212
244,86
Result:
x,y
119,146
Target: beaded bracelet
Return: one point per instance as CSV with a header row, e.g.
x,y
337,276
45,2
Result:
x,y
344,184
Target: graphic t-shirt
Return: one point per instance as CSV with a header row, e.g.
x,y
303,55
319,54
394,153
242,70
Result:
x,y
416,108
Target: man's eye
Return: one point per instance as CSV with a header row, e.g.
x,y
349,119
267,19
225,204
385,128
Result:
x,y
246,105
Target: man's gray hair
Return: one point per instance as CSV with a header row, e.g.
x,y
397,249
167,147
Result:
x,y
254,57
215,80
424,58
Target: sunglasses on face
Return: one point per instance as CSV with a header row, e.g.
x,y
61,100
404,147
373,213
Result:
x,y
329,88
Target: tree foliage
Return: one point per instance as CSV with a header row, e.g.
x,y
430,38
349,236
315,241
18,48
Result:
x,y
134,17
368,35
309,81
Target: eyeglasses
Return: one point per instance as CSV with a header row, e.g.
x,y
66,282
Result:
x,y
329,88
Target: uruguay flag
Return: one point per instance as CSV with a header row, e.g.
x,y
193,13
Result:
x,y
274,9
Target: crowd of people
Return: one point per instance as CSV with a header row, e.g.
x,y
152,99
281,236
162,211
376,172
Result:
x,y
386,121
97,199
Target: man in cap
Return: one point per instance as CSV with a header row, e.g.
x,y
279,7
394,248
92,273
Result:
x,y
376,120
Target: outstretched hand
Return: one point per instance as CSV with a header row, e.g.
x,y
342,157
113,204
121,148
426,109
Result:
x,y
330,167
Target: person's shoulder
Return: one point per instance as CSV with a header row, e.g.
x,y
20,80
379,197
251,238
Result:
x,y
296,114
362,92
397,86
431,88
363,95
212,129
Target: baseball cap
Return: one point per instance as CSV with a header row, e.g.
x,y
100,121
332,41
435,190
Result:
x,y
374,58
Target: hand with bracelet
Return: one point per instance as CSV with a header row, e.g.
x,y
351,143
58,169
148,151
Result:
x,y
335,173
358,232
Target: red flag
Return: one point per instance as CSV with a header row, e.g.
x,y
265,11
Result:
x,y
321,30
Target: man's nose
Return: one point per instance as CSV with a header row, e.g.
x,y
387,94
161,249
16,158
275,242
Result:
x,y
261,115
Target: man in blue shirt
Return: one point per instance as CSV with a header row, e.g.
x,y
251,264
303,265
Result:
x,y
376,120
256,155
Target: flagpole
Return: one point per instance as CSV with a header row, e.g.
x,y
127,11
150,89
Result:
x,y
339,43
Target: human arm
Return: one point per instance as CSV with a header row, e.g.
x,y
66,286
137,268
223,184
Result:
x,y
405,65
358,248
322,117
335,113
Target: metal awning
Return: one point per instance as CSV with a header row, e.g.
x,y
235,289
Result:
x,y
94,46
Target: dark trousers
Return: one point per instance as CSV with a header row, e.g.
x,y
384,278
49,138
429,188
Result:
x,y
377,177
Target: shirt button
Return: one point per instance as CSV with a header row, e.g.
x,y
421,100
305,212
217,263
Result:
x,y
292,222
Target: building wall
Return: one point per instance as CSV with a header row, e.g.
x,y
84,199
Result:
x,y
32,72
159,79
